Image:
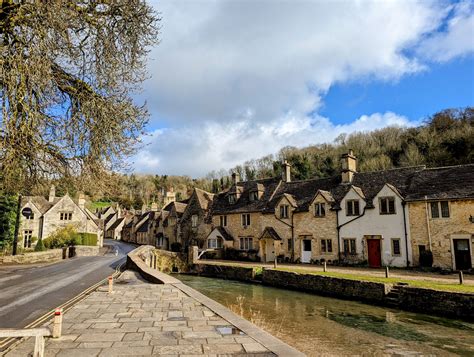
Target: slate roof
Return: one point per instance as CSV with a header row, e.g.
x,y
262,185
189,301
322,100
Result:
x,y
221,201
205,198
116,223
41,203
453,182
225,233
144,227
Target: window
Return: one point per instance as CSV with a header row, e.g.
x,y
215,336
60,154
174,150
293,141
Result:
x,y
290,245
246,220
32,216
319,209
253,196
246,243
194,220
439,209
27,238
213,243
284,211
65,216
349,246
387,205
223,221
326,245
352,208
160,241
395,246
232,198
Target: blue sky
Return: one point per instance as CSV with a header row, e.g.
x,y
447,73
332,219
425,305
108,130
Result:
x,y
233,80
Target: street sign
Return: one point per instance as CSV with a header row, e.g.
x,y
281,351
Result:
x,y
27,212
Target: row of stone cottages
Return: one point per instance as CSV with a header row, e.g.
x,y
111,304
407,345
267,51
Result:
x,y
384,218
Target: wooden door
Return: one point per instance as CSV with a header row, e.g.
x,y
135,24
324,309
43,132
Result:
x,y
462,254
373,246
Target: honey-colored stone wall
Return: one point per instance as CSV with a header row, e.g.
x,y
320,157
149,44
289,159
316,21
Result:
x,y
442,230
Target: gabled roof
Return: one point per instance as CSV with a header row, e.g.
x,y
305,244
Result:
x,y
225,233
116,223
221,203
41,203
204,198
270,232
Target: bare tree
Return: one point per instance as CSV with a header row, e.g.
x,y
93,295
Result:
x,y
67,72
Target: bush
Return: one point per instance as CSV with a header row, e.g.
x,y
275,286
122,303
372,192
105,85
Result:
x,y
68,236
39,247
176,247
88,239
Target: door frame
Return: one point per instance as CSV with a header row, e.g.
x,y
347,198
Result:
x,y
379,240
454,237
310,251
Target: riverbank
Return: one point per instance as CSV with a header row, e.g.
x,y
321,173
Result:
x,y
440,299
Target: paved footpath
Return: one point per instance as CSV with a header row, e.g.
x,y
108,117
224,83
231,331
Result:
x,y
143,319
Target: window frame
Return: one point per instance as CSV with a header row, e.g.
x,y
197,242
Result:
x,y
253,196
27,238
386,200
348,242
245,220
245,243
223,221
439,209
194,220
320,209
392,245
353,203
325,247
232,198
218,243
284,211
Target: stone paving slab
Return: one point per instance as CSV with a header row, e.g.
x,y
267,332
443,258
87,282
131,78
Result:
x,y
143,319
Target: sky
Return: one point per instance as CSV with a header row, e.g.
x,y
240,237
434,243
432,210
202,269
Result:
x,y
233,80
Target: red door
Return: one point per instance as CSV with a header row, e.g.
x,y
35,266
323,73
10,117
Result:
x,y
373,246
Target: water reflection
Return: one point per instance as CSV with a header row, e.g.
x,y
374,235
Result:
x,y
318,325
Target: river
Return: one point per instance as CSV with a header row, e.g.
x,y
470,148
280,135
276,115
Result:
x,y
319,326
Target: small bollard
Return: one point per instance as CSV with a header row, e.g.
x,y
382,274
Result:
x,y
111,284
325,269
57,323
461,277
275,263
387,273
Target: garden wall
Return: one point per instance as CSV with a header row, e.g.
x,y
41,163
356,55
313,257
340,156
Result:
x,y
225,272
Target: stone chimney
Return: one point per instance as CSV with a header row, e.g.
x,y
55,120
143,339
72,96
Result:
x,y
81,201
235,178
286,172
154,207
169,197
348,166
52,193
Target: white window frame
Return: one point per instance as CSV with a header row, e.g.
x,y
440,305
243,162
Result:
x,y
385,201
215,243
320,209
246,243
246,220
27,235
353,204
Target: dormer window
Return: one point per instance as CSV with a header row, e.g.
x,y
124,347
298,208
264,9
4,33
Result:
x,y
253,196
352,208
232,198
319,209
387,205
284,211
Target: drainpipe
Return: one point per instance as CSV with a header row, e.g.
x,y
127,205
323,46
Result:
x,y
406,232
352,220
338,236
292,226
428,223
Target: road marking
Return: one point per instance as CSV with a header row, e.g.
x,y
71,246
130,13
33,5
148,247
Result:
x,y
9,278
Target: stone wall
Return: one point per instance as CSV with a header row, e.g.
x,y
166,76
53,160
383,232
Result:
x,y
441,303
327,286
168,262
225,272
442,231
86,251
35,257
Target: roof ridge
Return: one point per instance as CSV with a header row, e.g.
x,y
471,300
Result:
x,y
448,167
394,169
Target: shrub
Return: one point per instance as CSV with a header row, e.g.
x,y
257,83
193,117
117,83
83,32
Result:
x,y
60,238
88,239
39,247
176,247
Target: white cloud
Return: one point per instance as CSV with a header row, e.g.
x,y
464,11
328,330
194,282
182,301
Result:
x,y
234,80
456,40
198,149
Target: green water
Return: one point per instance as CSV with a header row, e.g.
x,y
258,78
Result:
x,y
331,327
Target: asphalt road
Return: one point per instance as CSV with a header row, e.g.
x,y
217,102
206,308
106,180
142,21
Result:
x,y
27,292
